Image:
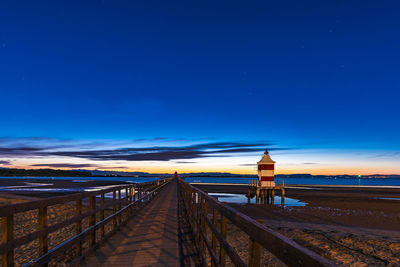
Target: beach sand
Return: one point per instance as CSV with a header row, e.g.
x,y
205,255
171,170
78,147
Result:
x,y
350,226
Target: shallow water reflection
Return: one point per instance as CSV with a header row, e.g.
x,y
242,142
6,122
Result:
x,y
242,198
388,198
38,189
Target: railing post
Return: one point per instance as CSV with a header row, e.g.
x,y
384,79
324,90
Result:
x,y
114,209
7,234
214,238
199,219
283,193
205,211
43,240
272,196
193,210
78,226
92,220
102,215
249,192
257,196
254,252
126,203
119,207
126,196
222,256
131,198
139,196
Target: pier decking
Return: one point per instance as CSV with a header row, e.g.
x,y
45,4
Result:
x,y
150,239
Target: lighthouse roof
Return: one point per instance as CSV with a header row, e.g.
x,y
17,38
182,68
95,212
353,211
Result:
x,y
266,159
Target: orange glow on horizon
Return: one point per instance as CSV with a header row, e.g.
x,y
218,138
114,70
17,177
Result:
x,y
239,170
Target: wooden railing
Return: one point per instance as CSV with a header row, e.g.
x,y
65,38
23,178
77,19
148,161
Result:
x,y
206,213
121,210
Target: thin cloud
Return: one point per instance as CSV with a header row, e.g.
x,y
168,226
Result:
x,y
389,154
125,153
74,166
15,151
219,149
112,167
5,162
65,165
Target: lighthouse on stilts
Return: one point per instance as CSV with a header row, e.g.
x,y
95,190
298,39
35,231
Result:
x,y
265,185
266,168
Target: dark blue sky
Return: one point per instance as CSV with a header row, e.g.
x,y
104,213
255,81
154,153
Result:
x,y
316,75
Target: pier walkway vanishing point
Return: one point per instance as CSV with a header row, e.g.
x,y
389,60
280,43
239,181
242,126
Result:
x,y
160,223
152,238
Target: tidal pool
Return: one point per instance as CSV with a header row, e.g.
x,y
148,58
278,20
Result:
x,y
241,198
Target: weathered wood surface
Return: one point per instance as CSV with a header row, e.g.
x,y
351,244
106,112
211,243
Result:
x,y
149,239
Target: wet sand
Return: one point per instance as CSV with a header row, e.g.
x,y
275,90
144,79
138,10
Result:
x,y
349,225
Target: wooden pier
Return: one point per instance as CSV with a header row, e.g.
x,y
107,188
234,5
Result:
x,y
167,223
149,239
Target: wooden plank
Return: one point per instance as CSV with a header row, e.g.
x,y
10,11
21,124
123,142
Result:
x,y
214,238
43,240
7,234
126,197
119,207
254,252
114,209
92,221
78,226
102,215
222,257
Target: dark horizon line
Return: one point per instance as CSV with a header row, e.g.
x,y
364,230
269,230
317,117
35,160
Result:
x,y
185,173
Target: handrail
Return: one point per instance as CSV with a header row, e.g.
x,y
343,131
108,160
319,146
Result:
x,y
26,206
197,204
68,243
120,206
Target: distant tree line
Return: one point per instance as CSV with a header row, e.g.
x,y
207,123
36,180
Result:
x,y
43,172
